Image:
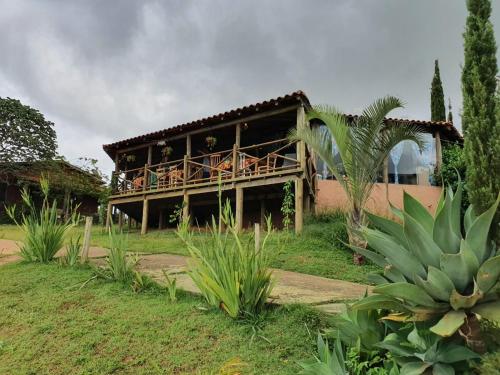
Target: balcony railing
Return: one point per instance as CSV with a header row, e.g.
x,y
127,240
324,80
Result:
x,y
250,162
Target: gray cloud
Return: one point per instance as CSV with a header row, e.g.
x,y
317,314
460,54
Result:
x,y
103,70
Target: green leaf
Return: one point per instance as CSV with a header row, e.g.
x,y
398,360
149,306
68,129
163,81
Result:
x,y
390,227
438,285
378,259
414,368
376,278
489,274
459,301
469,217
407,292
379,302
477,235
442,369
396,211
456,207
489,311
460,267
443,233
415,209
420,242
453,353
397,255
449,323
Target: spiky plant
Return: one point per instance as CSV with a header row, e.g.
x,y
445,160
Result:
x,y
363,146
436,267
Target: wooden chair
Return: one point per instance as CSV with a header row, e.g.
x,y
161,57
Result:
x,y
175,176
270,164
162,177
214,162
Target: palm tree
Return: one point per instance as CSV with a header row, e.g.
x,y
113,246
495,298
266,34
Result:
x,y
363,145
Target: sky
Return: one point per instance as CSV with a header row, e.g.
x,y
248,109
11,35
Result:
x,y
108,70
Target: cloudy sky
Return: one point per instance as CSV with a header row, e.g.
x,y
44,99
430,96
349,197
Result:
x,y
108,70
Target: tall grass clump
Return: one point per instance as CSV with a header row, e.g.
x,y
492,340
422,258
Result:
x,y
231,274
119,265
73,250
44,232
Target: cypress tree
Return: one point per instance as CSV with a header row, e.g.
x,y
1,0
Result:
x,y
438,110
450,115
481,131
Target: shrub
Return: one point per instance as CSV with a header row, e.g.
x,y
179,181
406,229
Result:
x,y
329,227
43,232
171,285
230,274
327,362
73,250
434,269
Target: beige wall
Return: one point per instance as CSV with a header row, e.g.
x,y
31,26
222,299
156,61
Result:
x,y
331,196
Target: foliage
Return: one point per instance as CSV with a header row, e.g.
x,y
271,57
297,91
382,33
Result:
x,y
363,146
176,215
374,365
418,351
73,250
450,114
25,134
328,362
490,364
288,204
230,274
481,130
330,227
43,232
438,110
171,284
119,265
432,269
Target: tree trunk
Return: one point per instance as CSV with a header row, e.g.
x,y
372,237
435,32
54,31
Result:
x,y
354,224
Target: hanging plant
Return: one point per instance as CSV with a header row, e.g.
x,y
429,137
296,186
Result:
x,y
211,142
167,151
130,158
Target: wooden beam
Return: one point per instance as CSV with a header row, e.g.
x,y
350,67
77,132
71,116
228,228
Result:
x,y
118,200
145,214
299,205
239,208
439,152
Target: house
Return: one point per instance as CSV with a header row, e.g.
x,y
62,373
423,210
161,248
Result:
x,y
178,169
69,185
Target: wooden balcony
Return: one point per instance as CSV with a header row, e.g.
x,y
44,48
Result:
x,y
234,165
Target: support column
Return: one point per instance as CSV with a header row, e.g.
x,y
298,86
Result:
x,y
185,206
439,152
108,217
239,208
301,146
188,145
150,155
299,205
145,214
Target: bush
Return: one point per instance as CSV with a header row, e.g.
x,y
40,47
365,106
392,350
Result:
x,y
73,250
230,274
329,227
43,232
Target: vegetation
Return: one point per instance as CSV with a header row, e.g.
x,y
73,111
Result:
x,y
230,274
42,231
318,251
453,170
25,134
328,362
288,204
433,270
438,110
73,250
363,146
481,130
51,325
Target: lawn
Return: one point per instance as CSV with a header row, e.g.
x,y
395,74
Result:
x,y
317,251
48,325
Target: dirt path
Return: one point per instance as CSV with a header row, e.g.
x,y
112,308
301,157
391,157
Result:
x,y
291,287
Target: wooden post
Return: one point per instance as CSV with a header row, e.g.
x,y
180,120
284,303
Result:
x,y
239,208
237,138
145,184
185,172
120,220
235,160
263,213
86,239
145,214
439,152
257,237
301,147
129,222
150,155
108,217
188,145
299,205
185,206
160,219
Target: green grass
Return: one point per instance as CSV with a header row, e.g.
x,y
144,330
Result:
x,y
48,325
317,251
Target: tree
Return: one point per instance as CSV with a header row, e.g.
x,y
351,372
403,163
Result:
x,y
438,110
481,130
363,146
450,114
24,133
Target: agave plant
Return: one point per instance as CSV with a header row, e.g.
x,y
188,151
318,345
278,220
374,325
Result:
x,y
436,267
419,351
328,362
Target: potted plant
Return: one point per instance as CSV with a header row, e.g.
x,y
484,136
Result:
x,y
130,158
211,142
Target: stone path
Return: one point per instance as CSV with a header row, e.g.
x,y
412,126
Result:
x,y
325,294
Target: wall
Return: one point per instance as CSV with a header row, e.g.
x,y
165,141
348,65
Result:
x,y
330,196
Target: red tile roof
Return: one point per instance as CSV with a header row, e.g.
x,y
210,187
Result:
x,y
297,97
